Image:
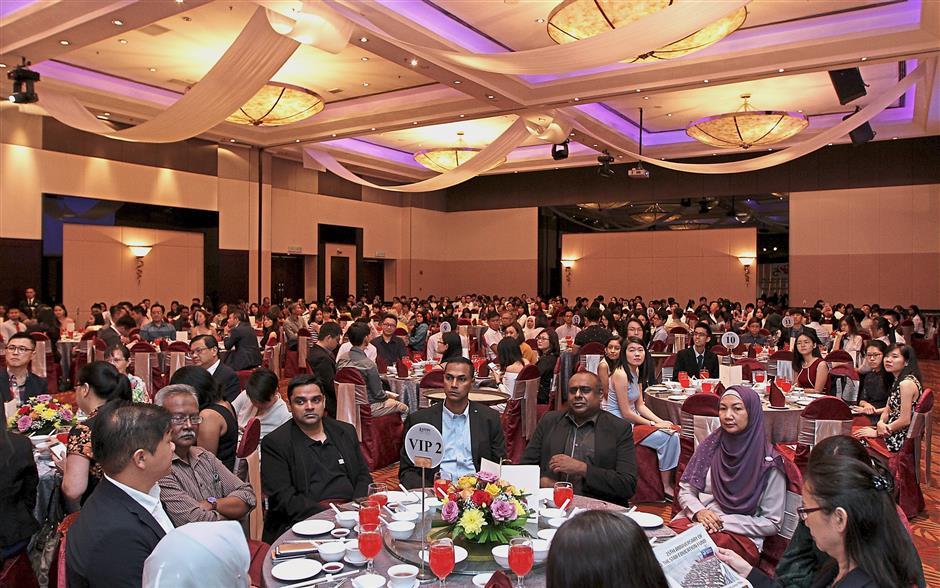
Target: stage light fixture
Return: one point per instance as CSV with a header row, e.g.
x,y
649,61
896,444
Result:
x,y
605,160
560,150
23,76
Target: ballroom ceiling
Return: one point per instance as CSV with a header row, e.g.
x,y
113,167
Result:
x,y
384,101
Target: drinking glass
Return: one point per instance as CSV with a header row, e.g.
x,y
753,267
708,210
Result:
x,y
703,374
379,493
441,484
563,491
369,512
370,543
759,376
441,558
521,558
706,387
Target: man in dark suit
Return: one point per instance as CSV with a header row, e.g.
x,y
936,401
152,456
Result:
x,y
123,520
30,304
323,364
585,445
309,461
693,359
205,351
471,431
16,380
241,342
119,332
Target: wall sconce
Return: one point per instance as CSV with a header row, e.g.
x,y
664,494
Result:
x,y
746,262
567,264
140,252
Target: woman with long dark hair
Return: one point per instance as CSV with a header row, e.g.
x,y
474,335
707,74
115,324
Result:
x,y
452,346
549,349
901,362
810,370
606,368
875,384
218,433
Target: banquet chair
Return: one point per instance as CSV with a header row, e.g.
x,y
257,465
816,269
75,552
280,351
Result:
x,y
532,343
764,332
843,382
905,464
521,414
100,349
591,355
741,349
668,367
17,571
82,354
271,357
698,417
749,366
44,364
822,418
781,355
380,437
243,376
925,349
146,366
58,577
719,350
176,354
775,546
840,356
658,346
433,380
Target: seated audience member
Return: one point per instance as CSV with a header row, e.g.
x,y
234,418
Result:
x,y
343,350
46,323
788,336
96,319
157,328
815,316
218,432
567,329
123,520
389,346
204,350
585,445
848,508
894,319
15,323
592,332
182,321
99,384
16,380
119,332
418,337
309,461
491,335
548,348
802,560
634,328
451,347
18,482
514,331
322,363
692,360
605,369
119,356
627,403
199,487
241,342
293,325
581,554
382,402
752,335
847,337
901,362
659,332
193,555
530,330
200,324
471,431
875,383
261,400
810,369
734,483
881,331
510,361
270,330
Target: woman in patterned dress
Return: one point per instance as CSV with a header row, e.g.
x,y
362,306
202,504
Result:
x,y
901,362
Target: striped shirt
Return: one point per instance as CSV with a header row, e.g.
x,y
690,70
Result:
x,y
189,484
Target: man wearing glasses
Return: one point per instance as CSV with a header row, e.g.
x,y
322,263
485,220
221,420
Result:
x,y
16,381
199,487
389,347
204,350
584,445
693,360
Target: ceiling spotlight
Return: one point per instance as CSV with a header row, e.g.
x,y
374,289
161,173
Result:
x,y
122,41
577,99
296,140
363,40
864,59
456,81
230,140
669,114
365,84
414,122
3,66
462,115
364,59
540,20
117,23
333,135
491,97
646,97
781,70
638,172
413,62
64,43
605,160
23,76
560,150
152,69
179,1
372,129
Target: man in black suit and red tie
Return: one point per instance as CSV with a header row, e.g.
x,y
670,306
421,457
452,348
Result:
x,y
693,359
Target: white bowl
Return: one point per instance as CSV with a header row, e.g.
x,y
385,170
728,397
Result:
x,y
556,523
347,519
402,576
547,534
369,581
407,516
401,529
501,555
332,550
480,580
416,507
432,503
540,548
352,550
551,513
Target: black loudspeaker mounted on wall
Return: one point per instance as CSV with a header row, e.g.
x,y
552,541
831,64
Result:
x,y
862,133
848,84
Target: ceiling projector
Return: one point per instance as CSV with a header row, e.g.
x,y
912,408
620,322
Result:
x,y
638,172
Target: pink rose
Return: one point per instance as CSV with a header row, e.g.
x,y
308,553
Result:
x,y
24,423
450,511
503,511
66,414
43,398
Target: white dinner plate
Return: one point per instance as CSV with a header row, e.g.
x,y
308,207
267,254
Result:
x,y
811,395
804,402
769,407
296,569
547,534
394,496
676,397
460,554
645,519
313,527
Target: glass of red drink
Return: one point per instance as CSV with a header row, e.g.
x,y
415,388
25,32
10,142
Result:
x,y
441,484
379,493
441,558
563,491
369,512
370,542
759,376
703,374
521,558
706,387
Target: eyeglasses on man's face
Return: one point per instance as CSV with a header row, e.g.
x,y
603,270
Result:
x,y
178,419
19,350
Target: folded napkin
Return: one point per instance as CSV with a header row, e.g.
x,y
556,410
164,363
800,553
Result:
x,y
402,369
381,364
484,370
777,397
499,580
719,389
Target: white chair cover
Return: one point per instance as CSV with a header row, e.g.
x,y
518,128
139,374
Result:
x,y
176,360
811,432
679,342
527,393
256,517
347,405
303,348
790,516
702,427
142,368
39,359
591,362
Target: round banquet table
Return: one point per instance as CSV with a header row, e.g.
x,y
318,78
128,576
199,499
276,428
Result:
x,y
463,572
405,388
487,396
781,425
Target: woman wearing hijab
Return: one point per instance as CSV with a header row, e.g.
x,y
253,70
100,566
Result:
x,y
530,330
200,554
735,484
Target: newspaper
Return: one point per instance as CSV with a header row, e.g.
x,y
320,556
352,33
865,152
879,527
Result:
x,y
690,560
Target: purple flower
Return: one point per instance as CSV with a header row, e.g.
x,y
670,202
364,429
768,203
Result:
x,y
450,511
24,423
43,398
488,477
66,414
503,511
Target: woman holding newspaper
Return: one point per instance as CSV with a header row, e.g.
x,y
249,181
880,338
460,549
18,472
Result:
x,y
735,484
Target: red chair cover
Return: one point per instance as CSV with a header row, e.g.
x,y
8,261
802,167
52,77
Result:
x,y
251,437
291,365
658,346
719,350
839,356
258,551
57,575
748,366
463,322
592,348
243,376
18,572
178,346
764,332
433,380
532,343
381,437
740,349
303,332
782,355
678,330
925,349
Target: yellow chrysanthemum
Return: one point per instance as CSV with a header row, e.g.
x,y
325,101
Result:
x,y
520,510
48,414
467,482
493,489
472,521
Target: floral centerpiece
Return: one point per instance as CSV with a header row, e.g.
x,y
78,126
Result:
x,y
42,415
484,509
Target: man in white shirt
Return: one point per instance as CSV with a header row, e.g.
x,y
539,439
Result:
x,y
492,336
123,520
567,329
14,323
260,400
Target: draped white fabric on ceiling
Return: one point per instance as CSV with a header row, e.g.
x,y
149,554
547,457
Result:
x,y
647,34
253,59
599,130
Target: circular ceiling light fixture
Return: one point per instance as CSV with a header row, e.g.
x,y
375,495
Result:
x,y
573,20
444,159
276,105
602,206
747,127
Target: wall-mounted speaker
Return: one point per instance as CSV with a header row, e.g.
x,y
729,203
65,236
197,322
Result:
x,y
848,84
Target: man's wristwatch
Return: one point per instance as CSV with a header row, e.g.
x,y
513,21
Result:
x,y
212,502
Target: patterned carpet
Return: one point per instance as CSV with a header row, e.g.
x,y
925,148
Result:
x,y
926,526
